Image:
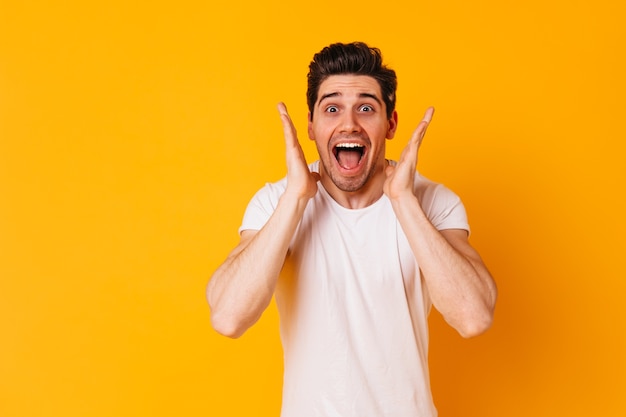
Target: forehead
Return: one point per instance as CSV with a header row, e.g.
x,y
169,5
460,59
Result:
x,y
349,85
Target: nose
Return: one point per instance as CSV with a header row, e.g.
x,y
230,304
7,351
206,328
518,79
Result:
x,y
349,123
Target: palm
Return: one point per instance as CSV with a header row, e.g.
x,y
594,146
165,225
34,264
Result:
x,y
300,180
401,177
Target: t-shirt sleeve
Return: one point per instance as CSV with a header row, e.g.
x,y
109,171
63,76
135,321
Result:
x,y
261,206
444,208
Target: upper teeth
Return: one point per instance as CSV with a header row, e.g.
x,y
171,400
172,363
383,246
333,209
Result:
x,y
349,145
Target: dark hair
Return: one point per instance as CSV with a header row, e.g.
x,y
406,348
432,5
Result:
x,y
355,58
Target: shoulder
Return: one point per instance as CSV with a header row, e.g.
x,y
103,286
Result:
x,y
272,191
443,206
264,202
431,191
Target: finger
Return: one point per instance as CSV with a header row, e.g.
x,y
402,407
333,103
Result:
x,y
428,115
289,130
282,108
410,152
420,131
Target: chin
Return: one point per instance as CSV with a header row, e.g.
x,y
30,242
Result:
x,y
350,184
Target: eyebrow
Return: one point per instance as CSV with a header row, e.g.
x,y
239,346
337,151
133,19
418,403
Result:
x,y
361,95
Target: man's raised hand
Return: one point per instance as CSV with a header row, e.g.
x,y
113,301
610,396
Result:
x,y
300,180
400,178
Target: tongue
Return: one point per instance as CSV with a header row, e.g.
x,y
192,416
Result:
x,y
348,159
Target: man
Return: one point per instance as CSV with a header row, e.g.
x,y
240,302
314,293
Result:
x,y
356,249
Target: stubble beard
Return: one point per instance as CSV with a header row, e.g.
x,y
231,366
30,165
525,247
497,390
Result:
x,y
347,184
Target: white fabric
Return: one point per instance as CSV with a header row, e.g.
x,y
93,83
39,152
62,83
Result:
x,y
353,309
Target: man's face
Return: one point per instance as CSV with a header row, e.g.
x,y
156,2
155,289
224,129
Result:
x,y
350,127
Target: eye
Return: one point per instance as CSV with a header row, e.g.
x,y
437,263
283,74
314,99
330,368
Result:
x,y
366,108
332,109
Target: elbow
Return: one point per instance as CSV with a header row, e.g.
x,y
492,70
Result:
x,y
232,316
227,329
475,326
221,321
476,323
226,322
481,319
227,326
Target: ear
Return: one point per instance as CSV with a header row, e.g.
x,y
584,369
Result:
x,y
310,126
393,125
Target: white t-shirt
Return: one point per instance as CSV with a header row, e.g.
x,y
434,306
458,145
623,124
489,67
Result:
x,y
353,308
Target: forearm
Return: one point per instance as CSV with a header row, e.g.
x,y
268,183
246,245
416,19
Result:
x,y
459,284
242,287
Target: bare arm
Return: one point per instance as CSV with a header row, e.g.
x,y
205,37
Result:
x,y
459,284
242,287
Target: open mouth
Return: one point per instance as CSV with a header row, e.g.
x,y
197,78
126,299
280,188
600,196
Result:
x,y
349,155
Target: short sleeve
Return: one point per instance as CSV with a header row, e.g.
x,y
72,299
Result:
x,y
262,205
444,208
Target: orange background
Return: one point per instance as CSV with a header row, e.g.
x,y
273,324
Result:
x,y
132,135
